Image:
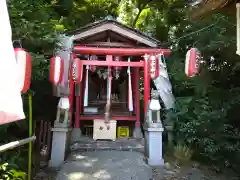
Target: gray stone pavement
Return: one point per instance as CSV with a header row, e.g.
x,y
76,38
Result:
x,y
105,165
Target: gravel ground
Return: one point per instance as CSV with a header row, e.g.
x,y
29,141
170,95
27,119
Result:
x,y
105,165
169,172
122,160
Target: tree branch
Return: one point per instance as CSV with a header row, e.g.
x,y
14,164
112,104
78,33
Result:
x,y
140,11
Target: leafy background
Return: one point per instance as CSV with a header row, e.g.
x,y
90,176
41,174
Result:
x,y
206,116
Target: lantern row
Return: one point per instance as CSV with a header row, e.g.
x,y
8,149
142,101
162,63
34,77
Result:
x,y
76,71
24,65
192,66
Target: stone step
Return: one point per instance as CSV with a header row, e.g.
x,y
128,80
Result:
x,y
130,144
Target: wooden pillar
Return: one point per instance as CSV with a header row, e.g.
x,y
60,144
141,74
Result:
x,y
146,82
77,115
81,108
71,89
136,96
134,89
71,97
79,102
78,105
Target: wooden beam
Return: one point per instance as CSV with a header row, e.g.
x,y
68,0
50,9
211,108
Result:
x,y
229,10
116,36
120,51
107,44
208,8
117,29
101,117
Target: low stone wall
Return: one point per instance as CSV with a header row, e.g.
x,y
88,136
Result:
x,y
118,145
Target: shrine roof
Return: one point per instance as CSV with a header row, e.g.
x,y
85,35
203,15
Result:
x,y
202,8
116,27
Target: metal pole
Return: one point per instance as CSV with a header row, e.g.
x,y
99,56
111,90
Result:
x,y
30,134
15,144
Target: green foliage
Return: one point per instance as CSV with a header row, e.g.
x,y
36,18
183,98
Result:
x,y
202,124
206,116
31,22
37,24
89,11
8,172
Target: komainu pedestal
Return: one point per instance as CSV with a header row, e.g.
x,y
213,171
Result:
x,y
60,145
61,133
153,146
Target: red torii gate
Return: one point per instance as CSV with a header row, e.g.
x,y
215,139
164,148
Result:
x,y
109,52
124,51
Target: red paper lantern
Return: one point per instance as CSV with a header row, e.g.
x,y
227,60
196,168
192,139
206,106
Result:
x,y
77,70
56,70
154,67
192,62
24,64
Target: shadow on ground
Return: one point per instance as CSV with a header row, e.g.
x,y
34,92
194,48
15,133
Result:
x,y
105,165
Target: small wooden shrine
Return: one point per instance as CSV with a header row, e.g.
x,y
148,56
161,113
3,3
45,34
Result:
x,y
112,56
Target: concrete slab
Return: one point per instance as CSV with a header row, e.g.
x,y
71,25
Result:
x,y
105,165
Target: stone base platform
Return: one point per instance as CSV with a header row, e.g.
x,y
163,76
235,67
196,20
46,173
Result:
x,y
87,144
